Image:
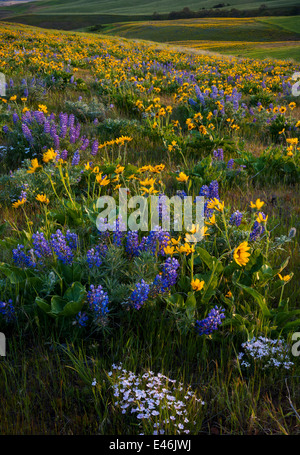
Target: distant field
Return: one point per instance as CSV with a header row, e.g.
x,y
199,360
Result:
x,y
215,29
136,7
255,37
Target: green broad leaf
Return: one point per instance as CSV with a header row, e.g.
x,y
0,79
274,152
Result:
x,y
282,266
282,317
211,262
57,305
255,262
14,274
258,297
184,283
70,273
267,271
76,293
190,305
210,289
43,305
58,216
175,300
72,308
292,325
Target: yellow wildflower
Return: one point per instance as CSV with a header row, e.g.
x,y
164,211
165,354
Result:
x,y
241,255
197,285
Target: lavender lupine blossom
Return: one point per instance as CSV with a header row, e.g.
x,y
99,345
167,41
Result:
x,y
85,143
21,259
27,133
140,294
7,311
42,248
230,163
94,150
61,248
93,258
211,322
81,319
132,245
236,218
76,158
98,303
64,155
218,154
72,239
163,282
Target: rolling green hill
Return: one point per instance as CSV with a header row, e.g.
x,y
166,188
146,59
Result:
x,y
255,37
136,7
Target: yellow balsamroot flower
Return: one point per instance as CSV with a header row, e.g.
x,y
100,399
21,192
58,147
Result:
x,y
282,131
211,221
87,167
42,198
169,250
182,177
119,169
13,98
18,203
257,205
290,153
103,181
43,108
197,285
261,219
292,140
202,129
220,206
148,182
96,170
194,229
204,231
292,106
158,168
186,248
282,110
229,295
34,165
212,203
297,124
149,190
198,116
175,242
241,255
49,155
284,278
